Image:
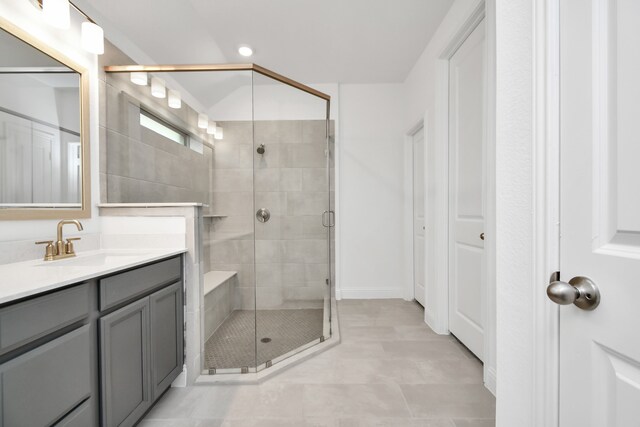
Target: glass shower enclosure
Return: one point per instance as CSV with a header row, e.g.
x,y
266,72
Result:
x,y
258,154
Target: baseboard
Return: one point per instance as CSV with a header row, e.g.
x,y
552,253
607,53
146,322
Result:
x,y
358,293
490,379
428,319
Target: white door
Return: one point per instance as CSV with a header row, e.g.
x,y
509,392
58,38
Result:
x,y
600,210
44,165
74,170
16,168
466,191
418,217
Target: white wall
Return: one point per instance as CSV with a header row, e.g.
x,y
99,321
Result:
x,y
371,188
516,229
25,16
274,102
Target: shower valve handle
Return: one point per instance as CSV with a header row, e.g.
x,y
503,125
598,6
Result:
x,y
263,215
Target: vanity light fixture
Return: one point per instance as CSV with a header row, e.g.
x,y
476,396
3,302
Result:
x,y
211,129
92,38
245,50
57,12
175,101
158,88
219,134
140,78
203,121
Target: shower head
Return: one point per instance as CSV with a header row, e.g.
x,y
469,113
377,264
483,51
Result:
x,y
260,149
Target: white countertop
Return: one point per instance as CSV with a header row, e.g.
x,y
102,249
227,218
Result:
x,y
23,279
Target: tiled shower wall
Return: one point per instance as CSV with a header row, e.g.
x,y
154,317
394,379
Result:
x,y
290,180
139,165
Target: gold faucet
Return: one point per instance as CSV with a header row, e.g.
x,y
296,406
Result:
x,y
61,249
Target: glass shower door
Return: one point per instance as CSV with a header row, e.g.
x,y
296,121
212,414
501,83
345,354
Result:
x,y
292,234
229,322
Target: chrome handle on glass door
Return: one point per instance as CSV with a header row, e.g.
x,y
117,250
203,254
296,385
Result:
x,y
328,219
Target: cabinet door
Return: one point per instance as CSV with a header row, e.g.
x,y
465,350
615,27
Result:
x,y
124,356
166,337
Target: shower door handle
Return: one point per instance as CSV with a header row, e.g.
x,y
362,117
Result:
x,y
328,219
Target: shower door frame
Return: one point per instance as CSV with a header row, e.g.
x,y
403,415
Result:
x,y
218,67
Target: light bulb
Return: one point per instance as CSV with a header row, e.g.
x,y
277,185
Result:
x,y
219,134
158,88
203,121
139,78
175,101
57,13
92,38
211,129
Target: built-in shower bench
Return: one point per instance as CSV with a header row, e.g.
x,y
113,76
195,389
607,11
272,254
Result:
x,y
219,298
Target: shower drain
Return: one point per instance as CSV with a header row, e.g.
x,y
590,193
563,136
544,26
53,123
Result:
x,y
265,340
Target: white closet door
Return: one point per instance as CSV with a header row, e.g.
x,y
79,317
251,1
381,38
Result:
x,y
418,218
600,211
466,191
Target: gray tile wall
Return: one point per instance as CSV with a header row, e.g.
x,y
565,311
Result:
x,y
288,259
139,165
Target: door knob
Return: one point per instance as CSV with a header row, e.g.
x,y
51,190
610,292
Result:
x,y
263,215
580,291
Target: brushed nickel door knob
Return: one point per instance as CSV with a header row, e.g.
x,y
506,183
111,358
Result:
x,y
580,291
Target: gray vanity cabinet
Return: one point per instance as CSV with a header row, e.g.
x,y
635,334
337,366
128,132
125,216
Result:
x,y
95,353
141,350
124,355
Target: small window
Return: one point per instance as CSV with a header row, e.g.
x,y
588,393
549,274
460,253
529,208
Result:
x,y
196,145
162,128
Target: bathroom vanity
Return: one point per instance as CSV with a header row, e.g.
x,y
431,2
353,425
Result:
x,y
90,341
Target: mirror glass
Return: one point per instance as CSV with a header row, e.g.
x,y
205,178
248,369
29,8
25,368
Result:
x,y
40,129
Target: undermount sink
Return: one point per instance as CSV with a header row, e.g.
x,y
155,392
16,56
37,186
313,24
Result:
x,y
93,260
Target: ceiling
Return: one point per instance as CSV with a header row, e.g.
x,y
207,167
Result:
x,y
321,41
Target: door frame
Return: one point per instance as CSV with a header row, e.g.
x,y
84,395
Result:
x,y
528,117
438,317
409,291
546,193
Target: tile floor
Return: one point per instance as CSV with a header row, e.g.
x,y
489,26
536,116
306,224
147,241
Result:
x,y
389,370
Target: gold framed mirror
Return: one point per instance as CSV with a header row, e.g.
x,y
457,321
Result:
x,y
44,131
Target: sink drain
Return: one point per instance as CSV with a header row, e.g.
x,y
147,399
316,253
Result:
x,y
265,340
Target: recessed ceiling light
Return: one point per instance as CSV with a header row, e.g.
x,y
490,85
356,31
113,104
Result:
x,y
245,50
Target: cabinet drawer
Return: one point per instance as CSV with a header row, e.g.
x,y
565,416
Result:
x,y
43,385
82,416
29,320
125,286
